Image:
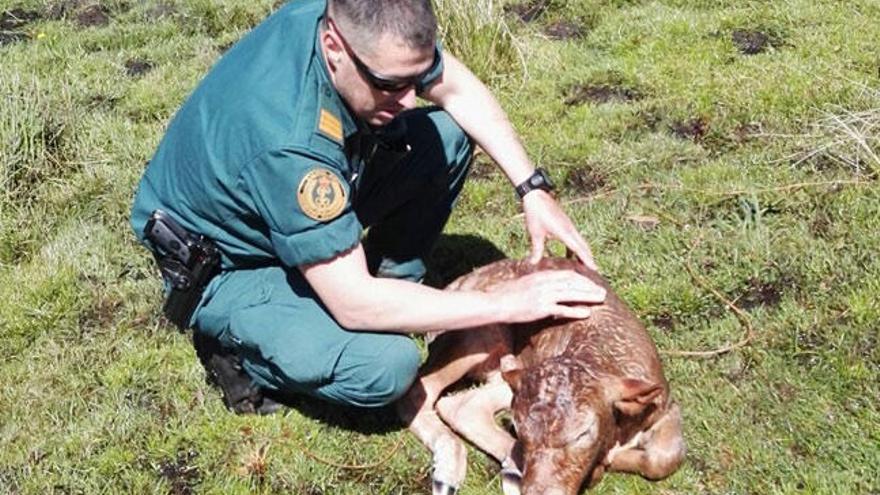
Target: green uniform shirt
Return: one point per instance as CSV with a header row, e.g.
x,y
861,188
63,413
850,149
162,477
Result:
x,y
255,159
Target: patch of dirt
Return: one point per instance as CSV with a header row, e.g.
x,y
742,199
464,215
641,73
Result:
x,y
644,222
104,102
483,167
63,8
93,16
100,314
53,136
17,18
664,321
599,93
760,293
751,42
810,345
179,472
564,30
822,225
865,347
584,180
8,38
527,11
648,119
798,450
693,129
735,368
137,67
785,391
746,131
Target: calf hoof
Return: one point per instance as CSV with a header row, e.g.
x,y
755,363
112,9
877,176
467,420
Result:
x,y
443,488
511,480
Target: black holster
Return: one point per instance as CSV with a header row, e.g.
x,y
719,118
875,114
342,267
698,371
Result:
x,y
187,261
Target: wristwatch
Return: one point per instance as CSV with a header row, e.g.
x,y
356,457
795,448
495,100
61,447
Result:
x,y
538,180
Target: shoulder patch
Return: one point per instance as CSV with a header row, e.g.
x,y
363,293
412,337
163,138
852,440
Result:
x,y
320,195
330,125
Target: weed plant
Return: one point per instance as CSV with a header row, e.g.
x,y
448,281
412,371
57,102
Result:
x,y
710,151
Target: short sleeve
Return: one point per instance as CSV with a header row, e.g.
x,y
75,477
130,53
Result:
x,y
435,72
305,204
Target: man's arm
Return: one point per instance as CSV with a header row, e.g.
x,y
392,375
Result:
x,y
468,100
359,301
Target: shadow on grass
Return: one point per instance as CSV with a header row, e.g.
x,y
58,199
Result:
x,y
453,256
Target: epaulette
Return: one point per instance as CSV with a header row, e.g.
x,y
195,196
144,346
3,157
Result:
x,y
329,123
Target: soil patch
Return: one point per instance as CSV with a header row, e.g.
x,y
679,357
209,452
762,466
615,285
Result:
x,y
137,67
93,16
483,167
16,18
527,11
181,474
664,321
822,225
760,293
693,129
8,38
63,8
746,131
644,222
599,93
751,42
564,30
584,180
102,101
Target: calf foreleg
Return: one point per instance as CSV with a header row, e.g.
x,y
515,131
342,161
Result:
x,y
451,357
472,414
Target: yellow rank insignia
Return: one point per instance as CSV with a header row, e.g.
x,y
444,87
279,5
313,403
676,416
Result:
x,y
330,125
320,195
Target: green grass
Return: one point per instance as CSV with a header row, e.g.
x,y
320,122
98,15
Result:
x,y
761,170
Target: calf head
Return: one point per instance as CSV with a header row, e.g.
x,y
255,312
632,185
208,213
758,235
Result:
x,y
565,417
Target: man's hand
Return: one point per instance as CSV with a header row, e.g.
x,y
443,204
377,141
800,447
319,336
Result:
x,y
557,293
545,219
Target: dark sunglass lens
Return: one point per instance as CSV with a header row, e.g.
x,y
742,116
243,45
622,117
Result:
x,y
391,86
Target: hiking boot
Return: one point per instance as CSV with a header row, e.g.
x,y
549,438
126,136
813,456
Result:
x,y
224,370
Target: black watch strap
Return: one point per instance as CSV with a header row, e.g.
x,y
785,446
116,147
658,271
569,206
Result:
x,y
538,180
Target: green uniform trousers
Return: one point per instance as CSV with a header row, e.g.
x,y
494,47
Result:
x,y
285,336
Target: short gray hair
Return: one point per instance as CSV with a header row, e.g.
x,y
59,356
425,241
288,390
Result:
x,y
363,21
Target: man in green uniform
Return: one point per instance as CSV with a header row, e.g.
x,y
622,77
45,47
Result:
x,y
300,137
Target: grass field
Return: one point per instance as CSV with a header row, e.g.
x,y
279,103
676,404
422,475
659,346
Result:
x,y
709,150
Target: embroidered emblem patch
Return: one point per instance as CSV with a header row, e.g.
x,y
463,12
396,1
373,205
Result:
x,y
330,125
320,195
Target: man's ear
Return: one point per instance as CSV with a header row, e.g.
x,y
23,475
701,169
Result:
x,y
332,48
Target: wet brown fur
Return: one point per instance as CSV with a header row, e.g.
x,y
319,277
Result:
x,y
581,388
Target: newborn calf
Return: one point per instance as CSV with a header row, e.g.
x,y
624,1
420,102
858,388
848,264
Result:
x,y
588,396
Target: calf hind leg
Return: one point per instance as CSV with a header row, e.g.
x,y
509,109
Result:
x,y
655,453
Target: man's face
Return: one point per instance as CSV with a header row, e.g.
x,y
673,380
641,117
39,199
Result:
x,y
390,58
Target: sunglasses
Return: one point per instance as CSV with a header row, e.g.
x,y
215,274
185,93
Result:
x,y
389,84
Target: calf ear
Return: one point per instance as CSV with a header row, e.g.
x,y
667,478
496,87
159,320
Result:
x,y
631,396
511,371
